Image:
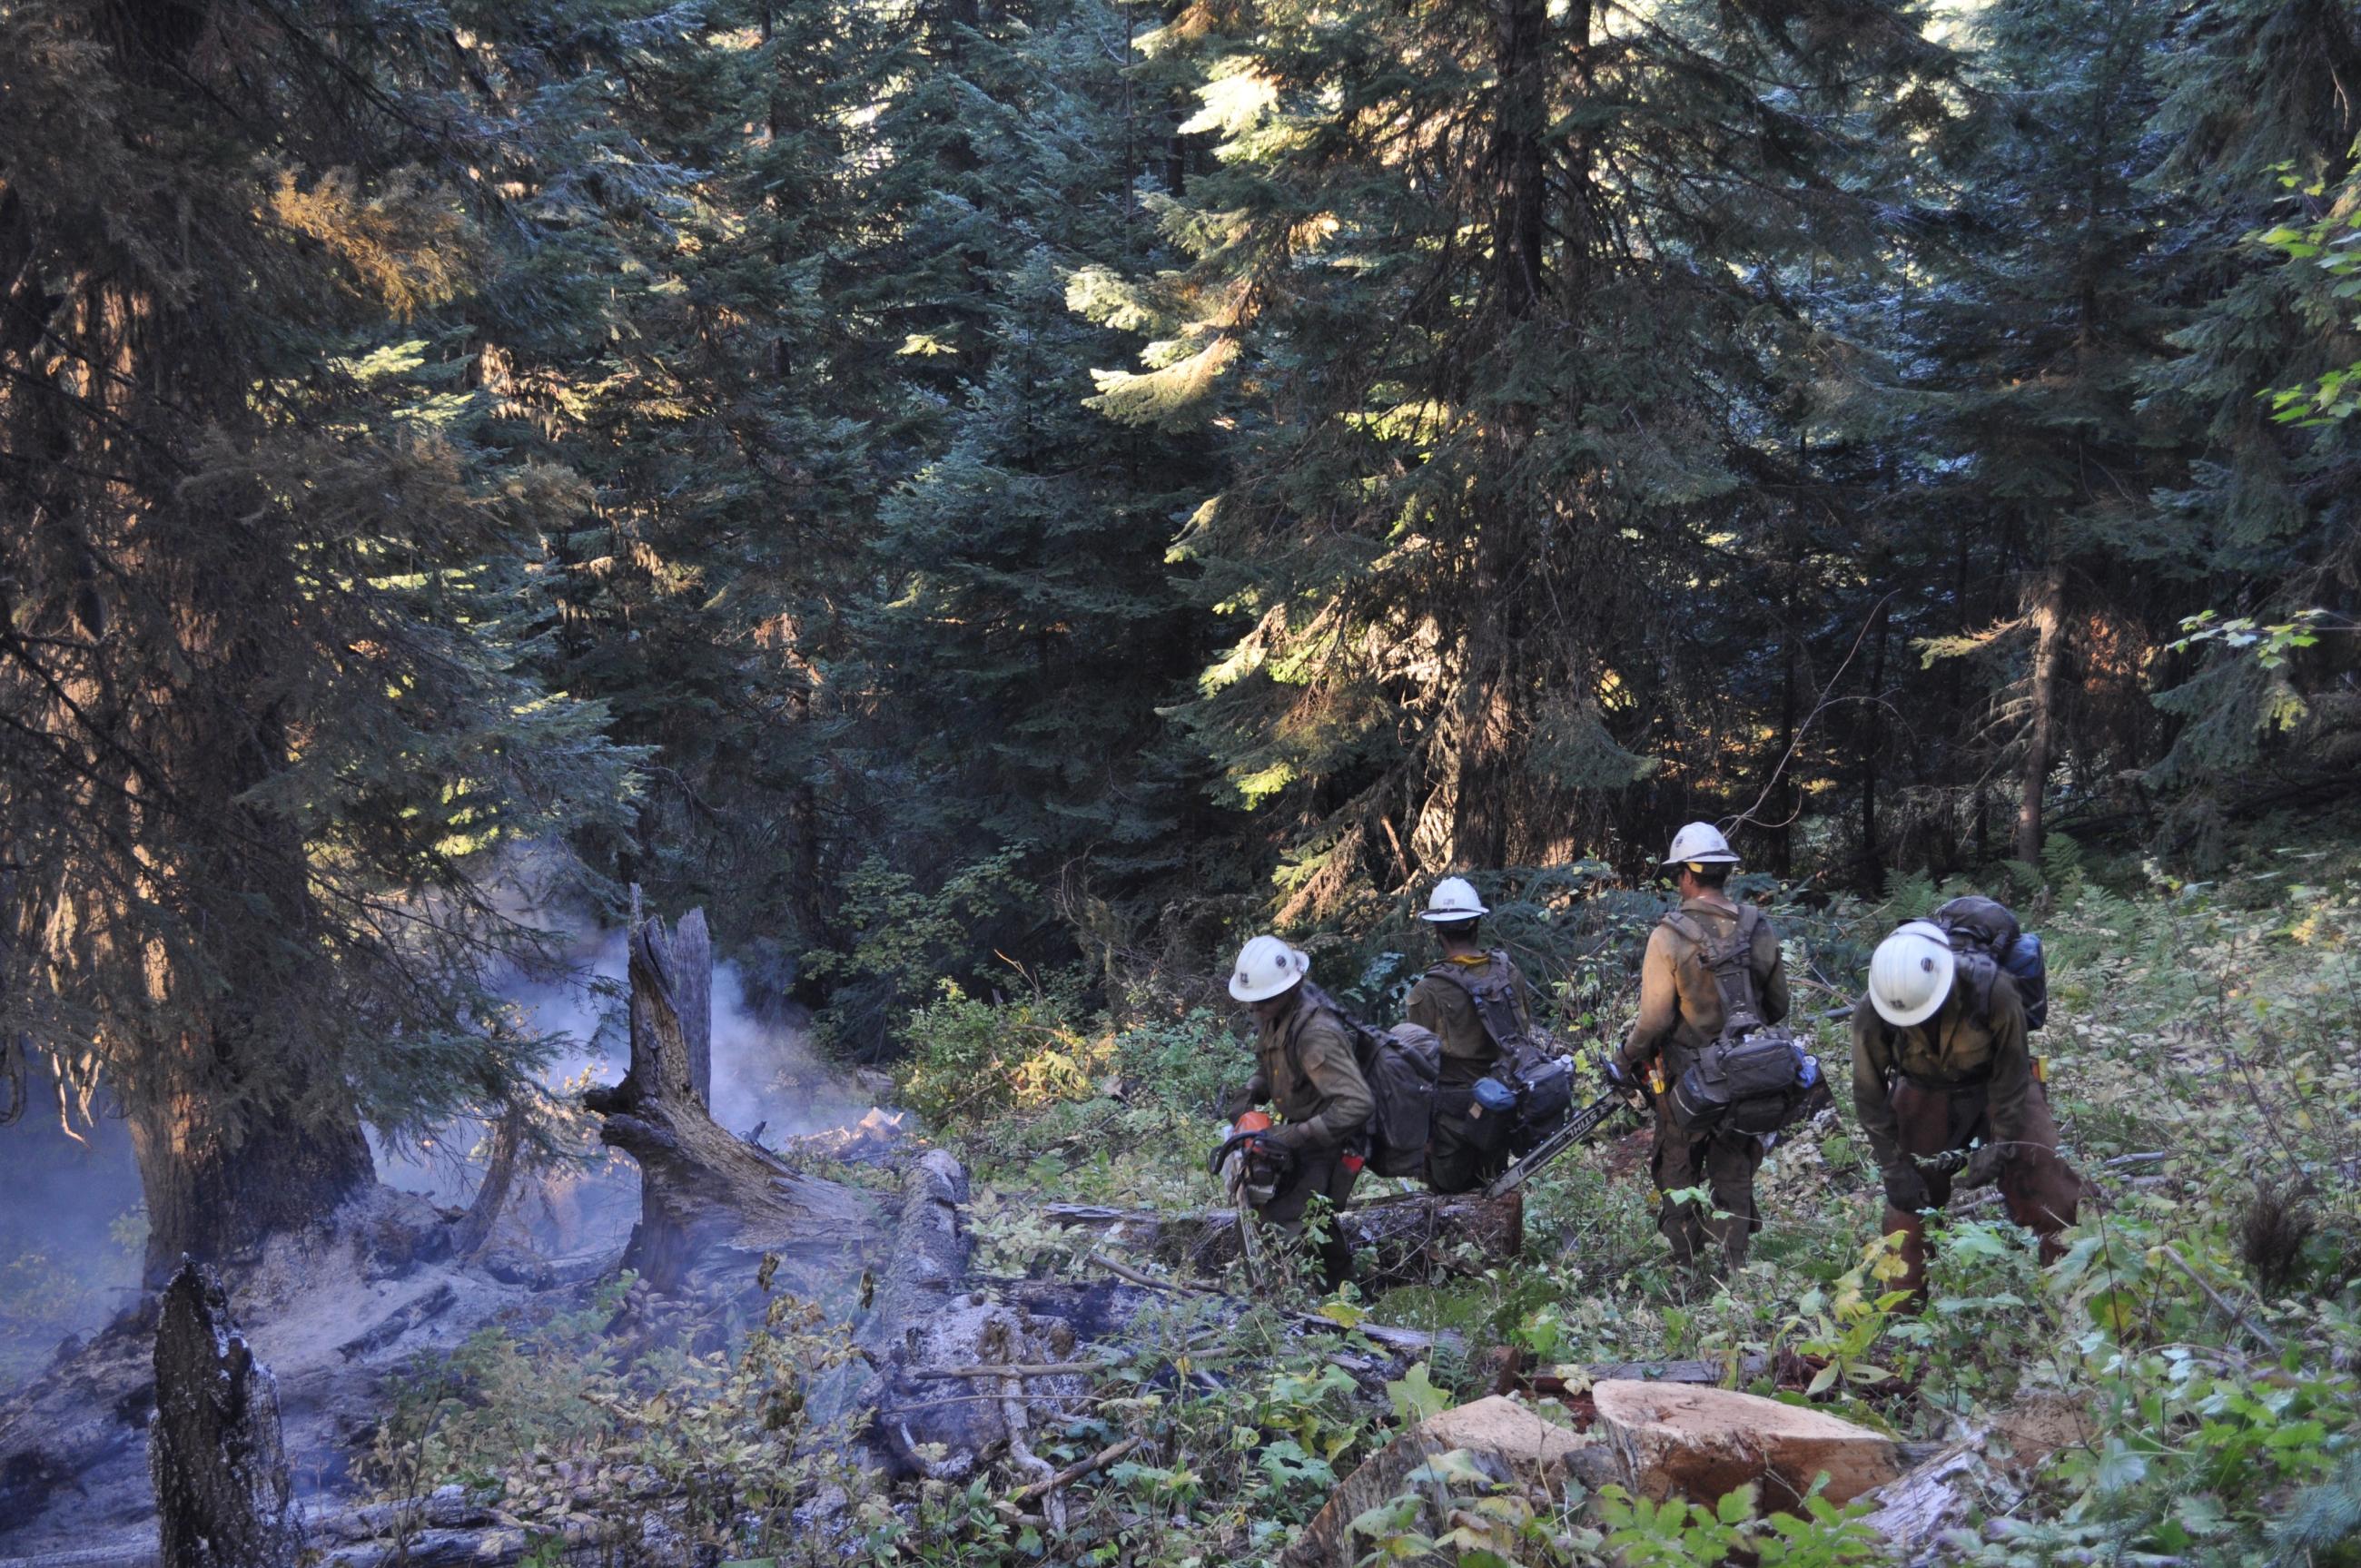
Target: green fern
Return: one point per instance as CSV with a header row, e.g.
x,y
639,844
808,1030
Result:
x,y
2061,864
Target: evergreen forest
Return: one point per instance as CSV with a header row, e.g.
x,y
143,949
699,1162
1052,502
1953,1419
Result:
x,y
996,502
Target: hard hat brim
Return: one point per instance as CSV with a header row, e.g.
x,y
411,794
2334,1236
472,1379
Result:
x,y
1452,916
1724,858
1262,994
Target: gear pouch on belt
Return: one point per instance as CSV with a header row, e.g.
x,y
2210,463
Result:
x,y
1756,1084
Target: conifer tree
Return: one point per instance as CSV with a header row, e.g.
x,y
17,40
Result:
x,y
261,654
1029,628
1494,305
2052,308
2260,124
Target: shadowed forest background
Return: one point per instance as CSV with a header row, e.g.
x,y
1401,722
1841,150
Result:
x,y
973,491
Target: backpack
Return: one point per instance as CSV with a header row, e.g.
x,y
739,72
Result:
x,y
1531,1065
1755,1077
1401,1067
1987,929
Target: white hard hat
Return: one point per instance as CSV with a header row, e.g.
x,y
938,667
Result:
x,y
1266,967
1701,842
1910,973
1454,900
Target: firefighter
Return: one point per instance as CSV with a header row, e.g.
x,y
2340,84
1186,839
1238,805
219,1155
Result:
x,y
1939,1064
1305,1068
1469,1149
1680,1015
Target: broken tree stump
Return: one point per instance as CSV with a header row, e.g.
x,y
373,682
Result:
x,y
1704,1443
224,1497
712,1204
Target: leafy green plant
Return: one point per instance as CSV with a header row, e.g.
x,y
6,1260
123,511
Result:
x,y
1677,1533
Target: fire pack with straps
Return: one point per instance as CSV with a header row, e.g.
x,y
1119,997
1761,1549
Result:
x,y
1530,1066
1755,1076
1401,1067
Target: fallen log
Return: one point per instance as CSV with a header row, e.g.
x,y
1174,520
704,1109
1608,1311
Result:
x,y
712,1204
224,1496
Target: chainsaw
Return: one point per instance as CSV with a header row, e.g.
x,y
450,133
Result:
x,y
1577,1128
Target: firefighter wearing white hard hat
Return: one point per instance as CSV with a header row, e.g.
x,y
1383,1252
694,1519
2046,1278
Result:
x,y
1680,1015
1468,1147
1939,1064
1305,1068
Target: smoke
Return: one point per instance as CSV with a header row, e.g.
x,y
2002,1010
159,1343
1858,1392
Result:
x,y
765,1079
72,1228
72,1231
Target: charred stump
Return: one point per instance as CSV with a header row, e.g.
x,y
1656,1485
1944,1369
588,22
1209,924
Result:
x,y
224,1497
710,1203
926,1318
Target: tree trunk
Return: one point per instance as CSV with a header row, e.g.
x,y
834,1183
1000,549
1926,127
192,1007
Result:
x,y
224,1497
712,1204
1873,859
492,1195
1520,225
2048,613
213,1196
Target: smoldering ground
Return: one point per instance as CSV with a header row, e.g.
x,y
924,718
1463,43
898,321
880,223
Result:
x,y
72,1225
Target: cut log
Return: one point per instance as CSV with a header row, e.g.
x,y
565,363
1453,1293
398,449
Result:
x,y
224,1497
712,1204
1398,1239
1703,1443
1507,1441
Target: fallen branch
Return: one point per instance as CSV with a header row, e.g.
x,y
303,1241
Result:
x,y
1075,1471
1410,1340
1131,1276
1056,1369
2228,1310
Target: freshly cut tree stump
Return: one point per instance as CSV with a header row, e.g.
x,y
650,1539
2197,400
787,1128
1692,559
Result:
x,y
224,1498
1704,1443
712,1204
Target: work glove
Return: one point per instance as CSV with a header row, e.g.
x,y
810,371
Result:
x,y
1905,1189
1985,1166
1620,1075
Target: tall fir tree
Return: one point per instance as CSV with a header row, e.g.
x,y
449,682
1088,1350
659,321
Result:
x,y
1494,305
2260,122
260,660
2050,308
